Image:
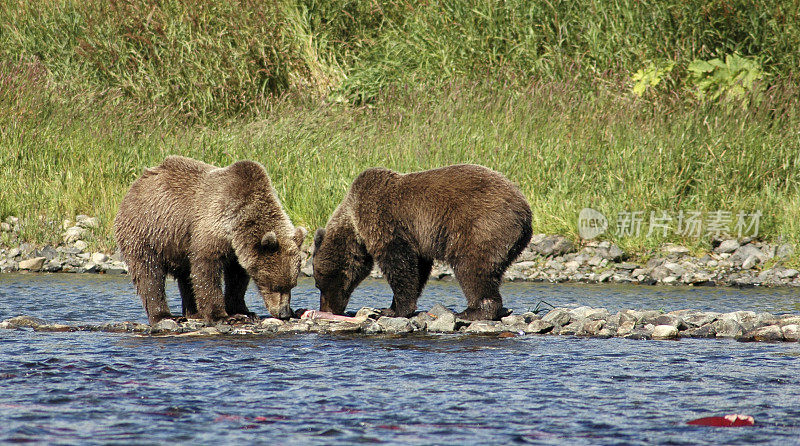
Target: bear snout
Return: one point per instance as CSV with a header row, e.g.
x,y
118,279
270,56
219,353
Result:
x,y
278,304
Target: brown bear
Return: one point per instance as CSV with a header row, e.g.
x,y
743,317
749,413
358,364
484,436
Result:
x,y
466,215
200,223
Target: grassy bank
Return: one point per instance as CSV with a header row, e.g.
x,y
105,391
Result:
x,y
93,92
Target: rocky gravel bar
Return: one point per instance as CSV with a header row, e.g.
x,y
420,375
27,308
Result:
x,y
744,262
581,321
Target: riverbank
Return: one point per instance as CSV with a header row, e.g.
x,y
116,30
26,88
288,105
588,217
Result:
x,y
746,326
741,262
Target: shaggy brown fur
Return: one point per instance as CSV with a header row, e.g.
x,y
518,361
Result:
x,y
199,223
466,215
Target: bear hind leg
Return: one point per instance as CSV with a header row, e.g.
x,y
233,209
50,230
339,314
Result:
x,y
482,292
188,301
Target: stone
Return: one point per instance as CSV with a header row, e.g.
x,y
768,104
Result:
x,y
660,273
553,246
727,246
5,227
788,273
784,251
628,266
671,320
701,318
791,332
769,333
591,327
743,252
749,262
34,264
165,325
371,327
728,328
57,328
84,221
789,320
589,313
24,321
80,245
484,327
99,258
308,269
539,326
665,332
558,316
513,320
705,331
675,249
612,253
13,252
48,252
271,323
73,234
395,325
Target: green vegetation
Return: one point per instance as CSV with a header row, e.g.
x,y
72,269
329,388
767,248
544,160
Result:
x,y
92,92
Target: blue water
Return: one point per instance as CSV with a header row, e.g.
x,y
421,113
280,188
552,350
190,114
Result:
x,y
101,388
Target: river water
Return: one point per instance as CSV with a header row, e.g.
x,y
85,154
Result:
x,y
106,388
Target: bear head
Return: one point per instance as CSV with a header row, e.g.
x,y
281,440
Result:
x,y
273,262
341,262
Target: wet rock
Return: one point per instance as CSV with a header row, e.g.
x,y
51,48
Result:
x,y
484,327
371,327
444,321
165,325
57,328
626,328
705,331
665,332
368,313
344,327
553,246
270,324
671,320
728,328
591,328
789,320
34,264
558,316
700,318
539,326
589,313
395,325
727,246
23,321
791,332
420,321
769,333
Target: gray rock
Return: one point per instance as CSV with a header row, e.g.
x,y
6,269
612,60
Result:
x,y
80,245
48,252
705,331
420,321
513,320
675,249
34,264
788,273
660,273
591,327
728,328
84,221
628,266
371,327
539,326
701,318
789,320
749,262
589,313
612,253
743,252
271,324
769,333
308,269
727,246
558,316
671,320
166,325
665,332
553,246
13,252
395,325
99,258
791,332
784,251
73,234
23,321
484,327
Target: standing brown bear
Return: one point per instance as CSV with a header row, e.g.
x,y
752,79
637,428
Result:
x,y
198,223
466,215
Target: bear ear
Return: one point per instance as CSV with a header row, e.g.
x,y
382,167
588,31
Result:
x,y
270,241
299,235
318,236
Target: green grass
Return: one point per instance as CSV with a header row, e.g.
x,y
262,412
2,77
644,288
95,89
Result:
x,y
93,92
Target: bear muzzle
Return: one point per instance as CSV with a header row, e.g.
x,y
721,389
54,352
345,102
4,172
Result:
x,y
278,304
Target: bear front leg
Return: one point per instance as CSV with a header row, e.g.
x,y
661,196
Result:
x,y
207,283
482,292
402,270
236,281
148,278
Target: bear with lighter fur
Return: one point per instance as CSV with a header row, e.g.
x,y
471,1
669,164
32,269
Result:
x,y
466,215
202,224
